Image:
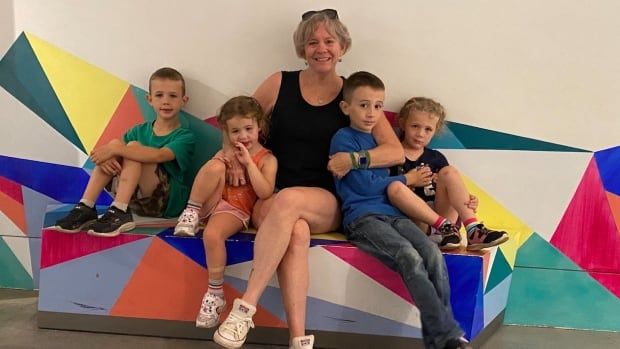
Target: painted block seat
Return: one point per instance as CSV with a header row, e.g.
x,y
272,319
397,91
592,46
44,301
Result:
x,y
151,282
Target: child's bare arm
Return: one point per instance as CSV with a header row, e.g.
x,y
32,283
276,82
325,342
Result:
x,y
263,179
132,151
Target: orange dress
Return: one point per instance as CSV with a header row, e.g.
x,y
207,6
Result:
x,y
243,197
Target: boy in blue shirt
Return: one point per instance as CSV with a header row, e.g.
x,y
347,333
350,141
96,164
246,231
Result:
x,y
147,171
380,229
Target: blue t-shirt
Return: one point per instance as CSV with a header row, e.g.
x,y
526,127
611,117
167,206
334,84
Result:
x,y
362,191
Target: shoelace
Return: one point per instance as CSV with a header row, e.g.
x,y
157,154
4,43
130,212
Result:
x,y
236,326
188,217
448,229
108,216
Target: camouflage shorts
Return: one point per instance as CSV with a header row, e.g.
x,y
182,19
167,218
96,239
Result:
x,y
151,206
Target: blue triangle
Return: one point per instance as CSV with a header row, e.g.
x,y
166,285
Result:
x,y
35,205
608,163
445,140
479,138
60,182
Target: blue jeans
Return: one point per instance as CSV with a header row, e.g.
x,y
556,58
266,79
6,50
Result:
x,y
403,247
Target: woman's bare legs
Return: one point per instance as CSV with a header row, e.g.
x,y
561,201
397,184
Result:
x,y
292,266
293,277
316,206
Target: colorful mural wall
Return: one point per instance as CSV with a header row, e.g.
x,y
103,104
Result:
x,y
565,275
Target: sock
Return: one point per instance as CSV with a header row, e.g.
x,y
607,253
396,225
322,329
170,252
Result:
x,y
88,203
121,206
216,287
194,205
470,224
440,222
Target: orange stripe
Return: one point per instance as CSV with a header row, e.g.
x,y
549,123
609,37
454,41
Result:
x,y
14,211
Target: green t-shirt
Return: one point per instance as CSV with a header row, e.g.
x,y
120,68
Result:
x,y
181,142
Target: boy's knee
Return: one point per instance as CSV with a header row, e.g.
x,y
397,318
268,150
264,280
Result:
x,y
396,188
133,143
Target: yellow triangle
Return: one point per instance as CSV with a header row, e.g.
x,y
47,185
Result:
x,y
88,94
496,217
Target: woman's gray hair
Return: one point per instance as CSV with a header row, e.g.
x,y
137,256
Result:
x,y
333,26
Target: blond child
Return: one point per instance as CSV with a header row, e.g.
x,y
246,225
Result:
x,y
228,208
434,180
149,166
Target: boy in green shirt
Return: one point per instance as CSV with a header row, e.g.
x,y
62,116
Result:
x,y
147,171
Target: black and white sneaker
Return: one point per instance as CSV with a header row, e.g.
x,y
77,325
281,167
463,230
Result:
x,y
78,219
112,223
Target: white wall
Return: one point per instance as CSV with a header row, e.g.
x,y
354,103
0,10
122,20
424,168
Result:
x,y
543,69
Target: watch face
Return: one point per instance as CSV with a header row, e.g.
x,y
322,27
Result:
x,y
363,160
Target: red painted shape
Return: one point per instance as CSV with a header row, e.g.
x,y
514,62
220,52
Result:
x,y
12,189
126,115
14,210
168,285
372,267
212,120
60,247
392,117
609,280
587,233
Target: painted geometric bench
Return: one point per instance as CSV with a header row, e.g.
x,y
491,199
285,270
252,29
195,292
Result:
x,y
150,282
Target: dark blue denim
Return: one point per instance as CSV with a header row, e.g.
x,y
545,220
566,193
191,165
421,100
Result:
x,y
403,247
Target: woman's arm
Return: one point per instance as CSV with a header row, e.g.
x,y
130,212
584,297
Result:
x,y
388,151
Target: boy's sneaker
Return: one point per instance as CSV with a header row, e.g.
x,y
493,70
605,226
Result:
x,y
112,223
481,237
450,237
457,343
210,310
303,342
187,223
78,219
233,331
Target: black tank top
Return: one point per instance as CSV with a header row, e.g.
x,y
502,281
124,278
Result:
x,y
300,134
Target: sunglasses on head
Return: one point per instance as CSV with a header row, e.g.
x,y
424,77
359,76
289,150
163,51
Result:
x,y
329,12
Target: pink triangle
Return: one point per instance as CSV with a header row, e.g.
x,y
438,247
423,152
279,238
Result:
x,y
371,267
12,189
609,280
59,247
126,115
587,233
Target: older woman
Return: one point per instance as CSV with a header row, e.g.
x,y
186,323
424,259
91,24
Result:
x,y
304,114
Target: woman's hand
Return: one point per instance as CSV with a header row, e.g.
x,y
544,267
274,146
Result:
x,y
339,164
235,172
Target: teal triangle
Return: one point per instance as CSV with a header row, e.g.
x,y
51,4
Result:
x,y
22,76
479,138
561,298
445,139
538,253
208,142
499,271
13,274
147,111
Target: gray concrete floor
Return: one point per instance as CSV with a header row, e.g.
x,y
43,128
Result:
x,y
18,329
